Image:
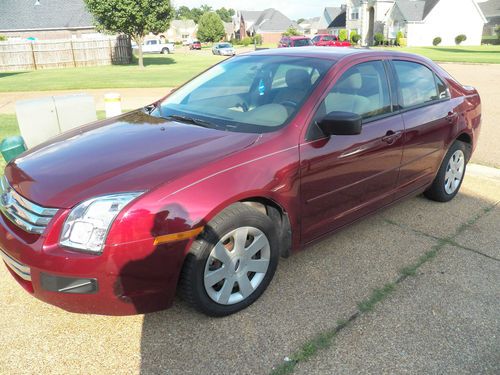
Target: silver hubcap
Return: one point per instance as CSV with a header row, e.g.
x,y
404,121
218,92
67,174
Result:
x,y
454,172
237,265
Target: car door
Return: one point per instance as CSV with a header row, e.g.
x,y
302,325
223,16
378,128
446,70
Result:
x,y
429,118
148,46
345,177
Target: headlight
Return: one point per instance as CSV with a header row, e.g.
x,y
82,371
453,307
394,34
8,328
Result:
x,y
88,223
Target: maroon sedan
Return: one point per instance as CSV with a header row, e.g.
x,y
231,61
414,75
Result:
x,y
195,45
294,41
206,189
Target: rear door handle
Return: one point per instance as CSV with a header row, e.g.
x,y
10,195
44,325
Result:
x,y
391,136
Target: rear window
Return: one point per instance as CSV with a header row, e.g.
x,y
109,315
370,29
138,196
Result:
x,y
302,42
416,82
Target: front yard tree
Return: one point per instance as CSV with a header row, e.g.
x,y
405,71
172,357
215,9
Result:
x,y
135,18
210,28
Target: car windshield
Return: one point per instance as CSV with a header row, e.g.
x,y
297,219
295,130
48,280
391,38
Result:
x,y
252,94
302,42
225,45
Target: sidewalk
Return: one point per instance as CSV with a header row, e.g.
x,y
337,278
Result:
x,y
131,98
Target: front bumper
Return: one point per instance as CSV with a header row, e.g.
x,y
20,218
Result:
x,y
130,278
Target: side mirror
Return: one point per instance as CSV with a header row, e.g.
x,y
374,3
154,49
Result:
x,y
340,123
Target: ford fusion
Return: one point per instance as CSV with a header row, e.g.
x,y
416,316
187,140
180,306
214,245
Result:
x,y
202,192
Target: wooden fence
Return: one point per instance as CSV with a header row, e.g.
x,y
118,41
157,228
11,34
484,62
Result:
x,y
31,55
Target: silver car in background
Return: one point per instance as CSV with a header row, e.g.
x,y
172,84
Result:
x,y
224,49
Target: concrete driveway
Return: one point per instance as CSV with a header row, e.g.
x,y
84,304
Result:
x,y
444,319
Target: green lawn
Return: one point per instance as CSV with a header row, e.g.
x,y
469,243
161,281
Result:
x,y
161,71
479,54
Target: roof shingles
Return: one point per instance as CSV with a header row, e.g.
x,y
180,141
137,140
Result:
x,y
49,14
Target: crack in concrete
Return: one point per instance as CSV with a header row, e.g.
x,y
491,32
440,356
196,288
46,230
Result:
x,y
326,338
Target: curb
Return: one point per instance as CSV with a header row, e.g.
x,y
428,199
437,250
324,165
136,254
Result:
x,y
477,170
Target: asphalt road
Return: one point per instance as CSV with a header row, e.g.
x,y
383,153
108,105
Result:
x,y
443,320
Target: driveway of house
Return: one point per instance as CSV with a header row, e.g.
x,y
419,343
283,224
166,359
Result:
x,y
442,320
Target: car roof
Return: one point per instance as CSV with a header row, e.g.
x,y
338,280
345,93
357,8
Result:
x,y
295,37
333,53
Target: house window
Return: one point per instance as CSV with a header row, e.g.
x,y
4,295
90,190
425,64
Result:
x,y
185,36
354,14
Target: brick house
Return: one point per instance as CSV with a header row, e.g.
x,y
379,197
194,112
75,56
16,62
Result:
x,y
269,23
45,19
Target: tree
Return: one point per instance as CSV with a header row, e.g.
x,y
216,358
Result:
x,y
210,28
292,31
183,12
300,20
135,18
225,14
497,31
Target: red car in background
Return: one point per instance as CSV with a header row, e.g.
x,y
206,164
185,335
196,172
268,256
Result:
x,y
195,45
204,190
294,41
328,40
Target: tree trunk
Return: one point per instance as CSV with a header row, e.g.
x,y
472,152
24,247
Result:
x,y
139,40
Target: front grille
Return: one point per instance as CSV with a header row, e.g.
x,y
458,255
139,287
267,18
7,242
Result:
x,y
22,212
22,270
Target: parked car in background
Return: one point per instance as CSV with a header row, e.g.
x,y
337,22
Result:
x,y
294,41
204,190
156,46
224,49
328,40
195,45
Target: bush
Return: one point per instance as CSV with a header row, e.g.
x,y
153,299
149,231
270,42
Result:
x,y
355,38
292,32
497,31
343,35
460,38
399,36
436,41
379,39
3,38
246,41
257,39
403,42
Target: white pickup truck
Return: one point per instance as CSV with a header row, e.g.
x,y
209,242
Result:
x,y
157,46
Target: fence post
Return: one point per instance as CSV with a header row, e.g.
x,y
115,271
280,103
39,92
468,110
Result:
x,y
110,51
33,55
73,53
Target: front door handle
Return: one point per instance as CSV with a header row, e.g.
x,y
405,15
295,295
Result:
x,y
391,136
451,117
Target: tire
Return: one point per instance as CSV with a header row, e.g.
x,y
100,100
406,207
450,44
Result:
x,y
198,282
447,184
165,51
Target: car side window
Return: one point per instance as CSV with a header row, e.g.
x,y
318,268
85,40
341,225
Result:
x,y
362,89
417,83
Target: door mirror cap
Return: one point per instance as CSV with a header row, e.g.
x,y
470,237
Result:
x,y
341,123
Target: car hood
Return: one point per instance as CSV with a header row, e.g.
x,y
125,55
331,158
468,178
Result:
x,y
133,152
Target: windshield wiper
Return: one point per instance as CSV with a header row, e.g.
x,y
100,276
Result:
x,y
193,120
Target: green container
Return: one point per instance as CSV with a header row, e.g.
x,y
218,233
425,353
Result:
x,y
12,147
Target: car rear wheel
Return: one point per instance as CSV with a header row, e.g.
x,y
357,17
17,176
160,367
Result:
x,y
232,262
450,175
165,51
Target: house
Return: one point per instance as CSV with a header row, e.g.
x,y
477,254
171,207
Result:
x,y
310,26
329,20
45,19
269,23
491,11
419,20
229,30
181,31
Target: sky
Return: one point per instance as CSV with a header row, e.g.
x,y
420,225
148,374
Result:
x,y
294,9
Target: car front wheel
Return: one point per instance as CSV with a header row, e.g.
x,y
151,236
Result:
x,y
232,262
450,175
